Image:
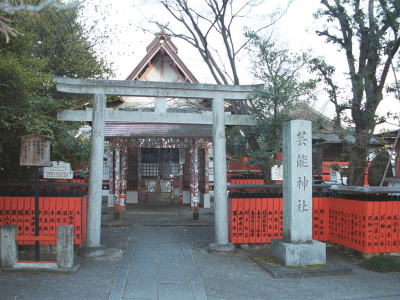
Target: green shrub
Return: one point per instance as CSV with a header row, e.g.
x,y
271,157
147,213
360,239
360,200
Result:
x,y
382,263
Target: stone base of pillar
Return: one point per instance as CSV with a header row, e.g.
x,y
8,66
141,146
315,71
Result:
x,y
195,213
110,200
299,254
119,211
119,214
206,201
88,252
221,248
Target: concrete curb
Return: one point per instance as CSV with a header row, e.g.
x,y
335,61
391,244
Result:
x,y
23,267
277,270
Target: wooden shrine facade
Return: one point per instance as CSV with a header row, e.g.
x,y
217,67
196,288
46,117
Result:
x,y
159,170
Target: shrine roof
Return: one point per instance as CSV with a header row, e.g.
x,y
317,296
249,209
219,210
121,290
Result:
x,y
161,44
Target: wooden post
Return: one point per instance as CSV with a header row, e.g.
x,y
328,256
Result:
x,y
124,175
117,183
194,174
206,196
182,161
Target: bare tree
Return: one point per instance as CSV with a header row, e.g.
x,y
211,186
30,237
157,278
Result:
x,y
210,29
213,30
368,32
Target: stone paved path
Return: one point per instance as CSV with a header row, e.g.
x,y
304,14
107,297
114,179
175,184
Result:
x,y
158,264
160,267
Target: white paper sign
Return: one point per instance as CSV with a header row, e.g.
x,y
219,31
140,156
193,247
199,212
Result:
x,y
58,170
277,172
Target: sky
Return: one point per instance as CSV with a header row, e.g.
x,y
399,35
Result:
x,y
123,23
126,19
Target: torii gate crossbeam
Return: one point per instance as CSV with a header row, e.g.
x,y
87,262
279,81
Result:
x,y
101,88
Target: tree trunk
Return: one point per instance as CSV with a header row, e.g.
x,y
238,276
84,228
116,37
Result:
x,y
267,172
358,155
357,166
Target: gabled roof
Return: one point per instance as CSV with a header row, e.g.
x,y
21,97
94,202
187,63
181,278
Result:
x,y
162,44
326,131
306,112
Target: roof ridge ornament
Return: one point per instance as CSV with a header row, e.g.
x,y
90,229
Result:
x,y
161,39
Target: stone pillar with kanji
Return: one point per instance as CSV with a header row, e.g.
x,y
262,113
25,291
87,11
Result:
x,y
297,247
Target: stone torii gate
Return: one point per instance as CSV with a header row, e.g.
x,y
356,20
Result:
x,y
160,90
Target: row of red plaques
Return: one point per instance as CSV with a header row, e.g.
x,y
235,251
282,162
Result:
x,y
366,226
53,212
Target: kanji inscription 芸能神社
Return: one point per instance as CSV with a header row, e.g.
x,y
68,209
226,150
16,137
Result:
x,y
297,247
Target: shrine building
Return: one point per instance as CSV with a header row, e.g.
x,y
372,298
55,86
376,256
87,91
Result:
x,y
160,163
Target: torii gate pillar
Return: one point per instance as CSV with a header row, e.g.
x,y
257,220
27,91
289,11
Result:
x,y
96,174
221,243
155,89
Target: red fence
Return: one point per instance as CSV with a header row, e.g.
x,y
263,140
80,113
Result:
x,y
255,220
54,211
366,226
247,179
252,175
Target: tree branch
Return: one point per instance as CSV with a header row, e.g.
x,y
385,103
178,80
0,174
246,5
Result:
x,y
388,61
10,8
6,29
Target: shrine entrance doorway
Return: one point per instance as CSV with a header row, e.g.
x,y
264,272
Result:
x,y
159,177
158,171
